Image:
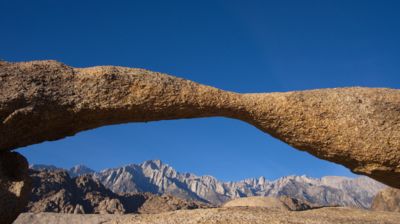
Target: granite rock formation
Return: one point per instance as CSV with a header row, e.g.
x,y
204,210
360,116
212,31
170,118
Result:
x,y
15,185
47,100
387,200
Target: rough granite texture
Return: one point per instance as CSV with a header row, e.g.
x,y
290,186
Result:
x,y
47,100
237,215
387,200
15,185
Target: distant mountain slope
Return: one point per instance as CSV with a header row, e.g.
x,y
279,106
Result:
x,y
80,170
159,178
75,171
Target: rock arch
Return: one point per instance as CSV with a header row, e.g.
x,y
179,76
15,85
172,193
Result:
x,y
47,100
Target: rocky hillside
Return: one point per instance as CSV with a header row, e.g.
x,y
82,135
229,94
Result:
x,y
55,191
159,178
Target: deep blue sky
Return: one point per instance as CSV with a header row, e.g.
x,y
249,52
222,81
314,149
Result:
x,y
243,46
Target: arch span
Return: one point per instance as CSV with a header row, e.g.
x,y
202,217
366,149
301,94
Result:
x,y
47,100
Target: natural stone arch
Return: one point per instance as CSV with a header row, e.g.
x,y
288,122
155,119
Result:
x,y
46,100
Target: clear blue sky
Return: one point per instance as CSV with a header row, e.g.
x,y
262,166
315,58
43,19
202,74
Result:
x,y
243,46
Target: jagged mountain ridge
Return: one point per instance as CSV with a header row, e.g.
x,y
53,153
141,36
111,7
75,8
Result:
x,y
159,178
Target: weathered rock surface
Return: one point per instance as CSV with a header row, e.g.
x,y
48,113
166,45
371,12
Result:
x,y
15,185
46,100
387,200
237,215
282,203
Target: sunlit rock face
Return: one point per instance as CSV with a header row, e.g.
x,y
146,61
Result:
x,y
47,100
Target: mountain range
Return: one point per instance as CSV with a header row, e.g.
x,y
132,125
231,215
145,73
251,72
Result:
x,y
157,177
